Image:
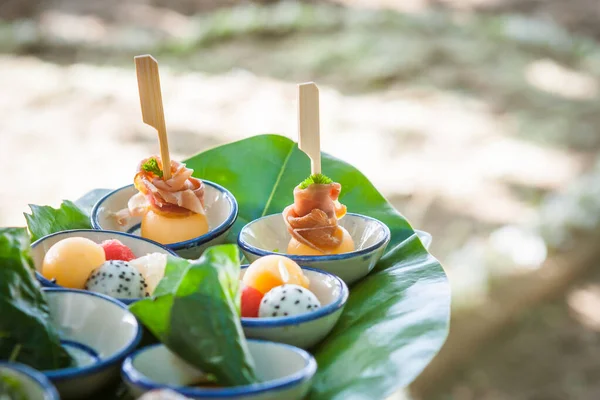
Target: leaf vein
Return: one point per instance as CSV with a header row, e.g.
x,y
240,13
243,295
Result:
x,y
279,176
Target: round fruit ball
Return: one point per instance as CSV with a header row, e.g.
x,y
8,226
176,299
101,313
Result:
x,y
250,302
71,261
288,301
167,230
300,249
115,250
274,270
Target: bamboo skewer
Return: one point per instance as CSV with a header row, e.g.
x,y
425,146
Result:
x,y
309,138
146,68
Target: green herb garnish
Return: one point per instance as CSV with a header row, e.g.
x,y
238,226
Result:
x,y
152,166
315,179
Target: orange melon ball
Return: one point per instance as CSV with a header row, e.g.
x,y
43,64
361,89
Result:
x,y
273,270
72,260
300,249
168,230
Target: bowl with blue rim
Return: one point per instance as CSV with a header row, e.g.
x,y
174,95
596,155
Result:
x,y
221,213
140,247
18,381
284,372
269,235
304,329
98,331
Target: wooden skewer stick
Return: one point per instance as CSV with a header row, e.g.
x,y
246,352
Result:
x,y
153,114
309,137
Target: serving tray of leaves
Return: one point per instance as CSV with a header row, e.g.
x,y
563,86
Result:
x,y
143,292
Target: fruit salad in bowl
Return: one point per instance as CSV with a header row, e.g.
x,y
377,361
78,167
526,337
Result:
x,y
284,302
115,264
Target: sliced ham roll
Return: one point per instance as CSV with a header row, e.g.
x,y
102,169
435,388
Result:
x,y
180,195
312,219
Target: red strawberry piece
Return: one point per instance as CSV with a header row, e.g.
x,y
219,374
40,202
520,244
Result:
x,y
115,250
250,302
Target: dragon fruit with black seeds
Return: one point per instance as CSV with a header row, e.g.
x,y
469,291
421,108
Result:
x,y
288,300
117,279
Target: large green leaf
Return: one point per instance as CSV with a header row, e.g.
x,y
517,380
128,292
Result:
x,y
196,314
26,333
45,220
396,319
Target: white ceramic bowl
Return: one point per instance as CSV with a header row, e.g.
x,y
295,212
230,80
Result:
x,y
139,246
308,329
221,213
98,331
285,372
260,237
34,385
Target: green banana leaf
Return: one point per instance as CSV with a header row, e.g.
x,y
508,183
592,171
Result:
x,y
396,319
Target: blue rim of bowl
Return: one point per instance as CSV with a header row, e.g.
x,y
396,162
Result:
x,y
331,257
272,322
210,235
73,372
82,347
50,391
49,284
135,377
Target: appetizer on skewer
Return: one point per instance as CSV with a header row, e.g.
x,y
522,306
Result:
x,y
276,286
165,203
313,219
170,200
172,210
108,268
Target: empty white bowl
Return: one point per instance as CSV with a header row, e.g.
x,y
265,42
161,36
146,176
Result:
x,y
285,372
304,330
139,246
98,331
264,235
32,384
221,213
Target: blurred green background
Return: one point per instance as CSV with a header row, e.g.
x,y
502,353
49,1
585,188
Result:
x,y
478,119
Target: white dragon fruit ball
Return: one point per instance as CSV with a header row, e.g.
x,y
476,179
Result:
x,y
118,279
286,301
152,267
